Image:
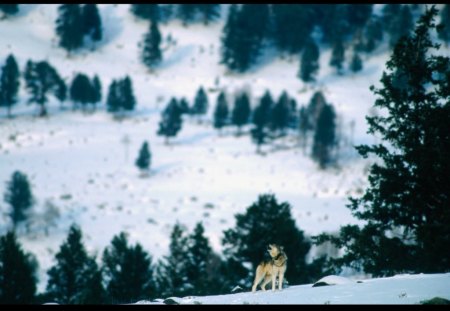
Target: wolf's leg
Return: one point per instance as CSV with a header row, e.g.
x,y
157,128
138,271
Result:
x,y
258,278
266,280
274,276
280,280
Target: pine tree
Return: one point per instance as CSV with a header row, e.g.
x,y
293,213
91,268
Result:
x,y
221,112
75,275
373,34
356,63
265,221
337,55
261,119
405,208
241,111
200,106
172,121
309,62
147,11
280,114
19,196
128,100
229,38
128,270
144,159
61,90
402,25
9,9
68,26
359,14
92,22
325,137
81,90
209,12
335,24
96,90
151,54
314,109
17,272
9,83
304,126
172,273
184,106
187,13
444,25
113,102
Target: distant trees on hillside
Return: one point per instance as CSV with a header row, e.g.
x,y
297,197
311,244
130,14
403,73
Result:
x,y
121,96
144,158
84,91
151,54
19,197
9,83
171,120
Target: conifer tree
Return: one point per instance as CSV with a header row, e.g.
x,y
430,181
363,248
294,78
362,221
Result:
x,y
151,54
187,13
200,106
128,271
19,197
74,277
337,55
314,109
373,34
356,62
96,90
325,137
304,126
128,100
241,111
280,114
221,112
144,159
69,26
209,12
184,106
261,120
113,102
92,22
309,63
17,272
81,90
405,209
171,120
402,25
9,83
149,11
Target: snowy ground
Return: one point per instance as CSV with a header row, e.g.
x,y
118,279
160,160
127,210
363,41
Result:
x,y
399,289
83,165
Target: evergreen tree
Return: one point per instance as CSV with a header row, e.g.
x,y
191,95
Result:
x,y
151,54
9,83
359,14
9,9
19,196
172,273
209,12
221,112
241,111
390,13
187,13
113,102
405,208
200,106
81,90
373,34
262,119
149,11
309,62
314,109
74,277
444,25
356,63
144,159
69,25
325,137
40,78
128,101
172,121
17,272
304,126
61,90
128,271
335,24
229,38
265,221
184,105
337,55
92,22
280,114
402,25
96,90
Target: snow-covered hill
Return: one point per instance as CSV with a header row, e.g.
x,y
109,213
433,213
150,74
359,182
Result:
x,y
399,289
84,164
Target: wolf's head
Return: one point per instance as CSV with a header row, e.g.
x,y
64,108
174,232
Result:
x,y
274,250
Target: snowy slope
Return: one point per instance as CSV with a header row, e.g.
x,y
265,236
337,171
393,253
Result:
x,y
399,289
81,164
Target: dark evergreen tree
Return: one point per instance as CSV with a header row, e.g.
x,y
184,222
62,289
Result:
x,y
209,12
61,90
309,63
17,272
149,11
187,13
390,13
229,38
92,22
373,34
325,137
40,78
314,109
444,25
359,14
151,54
337,55
96,90
304,126
128,100
9,83
402,25
356,62
201,104
280,114
113,102
405,209
81,90
9,9
241,111
74,277
184,105
172,120
144,159
221,112
128,271
335,24
265,221
172,269
69,26
19,196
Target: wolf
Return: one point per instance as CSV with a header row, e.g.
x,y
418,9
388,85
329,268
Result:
x,y
269,269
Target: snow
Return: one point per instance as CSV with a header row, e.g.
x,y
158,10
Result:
x,y
80,163
399,289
